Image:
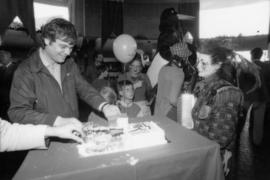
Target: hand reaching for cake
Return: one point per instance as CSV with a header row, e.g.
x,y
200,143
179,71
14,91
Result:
x,y
111,111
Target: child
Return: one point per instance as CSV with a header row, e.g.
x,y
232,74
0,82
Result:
x,y
98,117
125,103
101,81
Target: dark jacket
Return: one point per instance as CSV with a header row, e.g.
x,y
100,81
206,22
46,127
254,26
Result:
x,y
36,97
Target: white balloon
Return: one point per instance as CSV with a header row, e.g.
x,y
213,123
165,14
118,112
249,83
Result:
x,y
124,48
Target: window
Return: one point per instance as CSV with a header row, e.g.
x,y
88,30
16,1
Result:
x,y
247,20
44,12
242,20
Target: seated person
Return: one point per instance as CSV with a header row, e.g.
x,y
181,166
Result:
x,y
110,96
141,82
126,103
92,69
101,81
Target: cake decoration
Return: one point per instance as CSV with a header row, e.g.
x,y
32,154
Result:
x,y
103,140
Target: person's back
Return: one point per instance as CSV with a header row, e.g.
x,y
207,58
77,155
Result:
x,y
170,80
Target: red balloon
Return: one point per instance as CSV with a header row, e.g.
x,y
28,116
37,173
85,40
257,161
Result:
x,y
124,48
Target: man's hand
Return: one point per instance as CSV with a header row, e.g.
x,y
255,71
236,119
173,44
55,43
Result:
x,y
66,131
111,111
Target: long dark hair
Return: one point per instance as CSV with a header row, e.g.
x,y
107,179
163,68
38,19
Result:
x,y
223,55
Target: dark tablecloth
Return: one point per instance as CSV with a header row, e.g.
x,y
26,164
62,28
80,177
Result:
x,y
187,156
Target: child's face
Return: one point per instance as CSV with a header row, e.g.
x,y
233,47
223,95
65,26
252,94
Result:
x,y
135,68
127,92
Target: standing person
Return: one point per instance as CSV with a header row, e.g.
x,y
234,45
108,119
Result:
x,y
171,32
170,81
258,98
218,106
94,67
45,86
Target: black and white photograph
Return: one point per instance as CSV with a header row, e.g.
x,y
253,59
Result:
x,y
134,89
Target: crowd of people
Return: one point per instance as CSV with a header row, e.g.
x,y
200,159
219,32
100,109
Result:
x,y
45,88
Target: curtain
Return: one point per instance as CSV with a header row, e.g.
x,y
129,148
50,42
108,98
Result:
x,y
77,15
24,9
190,8
112,19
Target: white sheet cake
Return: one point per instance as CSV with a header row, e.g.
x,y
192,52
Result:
x,y
103,140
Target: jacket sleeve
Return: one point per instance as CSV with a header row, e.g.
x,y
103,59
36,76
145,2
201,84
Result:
x,y
21,137
86,91
23,99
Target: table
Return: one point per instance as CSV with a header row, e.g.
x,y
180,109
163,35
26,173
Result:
x,y
187,156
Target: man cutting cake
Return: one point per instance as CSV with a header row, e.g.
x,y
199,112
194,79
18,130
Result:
x,y
45,86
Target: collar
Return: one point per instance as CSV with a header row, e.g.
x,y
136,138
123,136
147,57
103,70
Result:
x,y
36,63
45,59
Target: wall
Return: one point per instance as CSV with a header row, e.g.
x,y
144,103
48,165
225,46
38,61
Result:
x,y
140,19
93,18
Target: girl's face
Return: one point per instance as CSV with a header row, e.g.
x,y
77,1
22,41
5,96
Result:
x,y
135,68
205,66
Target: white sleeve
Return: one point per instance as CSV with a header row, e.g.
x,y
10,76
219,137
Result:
x,y
21,137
